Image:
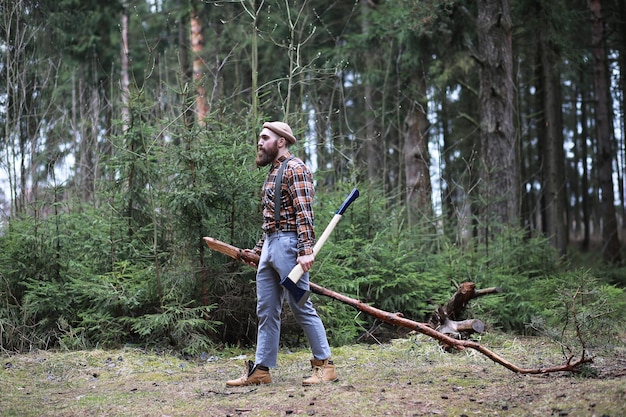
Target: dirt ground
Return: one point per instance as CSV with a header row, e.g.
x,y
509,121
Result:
x,y
411,376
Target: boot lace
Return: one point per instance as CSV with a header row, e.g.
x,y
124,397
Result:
x,y
318,372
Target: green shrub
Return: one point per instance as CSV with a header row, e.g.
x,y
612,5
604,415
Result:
x,y
121,272
576,308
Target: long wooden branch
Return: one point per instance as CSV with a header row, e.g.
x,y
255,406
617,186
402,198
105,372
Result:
x,y
397,319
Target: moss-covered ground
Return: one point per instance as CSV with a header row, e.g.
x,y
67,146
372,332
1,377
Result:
x,y
412,376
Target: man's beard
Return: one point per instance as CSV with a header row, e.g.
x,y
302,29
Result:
x,y
265,156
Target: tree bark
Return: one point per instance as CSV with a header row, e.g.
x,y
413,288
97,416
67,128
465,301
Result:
x,y
464,293
499,167
124,73
585,198
443,320
373,148
455,328
622,121
553,166
185,68
417,156
610,239
254,63
197,46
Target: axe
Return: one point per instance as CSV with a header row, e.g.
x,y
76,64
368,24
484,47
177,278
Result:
x,y
296,273
290,281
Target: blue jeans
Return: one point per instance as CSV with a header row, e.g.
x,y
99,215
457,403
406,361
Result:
x,y
278,257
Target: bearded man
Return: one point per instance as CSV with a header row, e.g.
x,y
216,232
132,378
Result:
x,y
288,239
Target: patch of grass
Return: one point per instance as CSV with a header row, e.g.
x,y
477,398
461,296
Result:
x,y
405,377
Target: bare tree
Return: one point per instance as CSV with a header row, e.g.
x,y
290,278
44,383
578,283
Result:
x,y
27,116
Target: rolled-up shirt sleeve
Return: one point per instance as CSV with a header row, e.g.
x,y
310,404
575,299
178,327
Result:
x,y
259,245
302,192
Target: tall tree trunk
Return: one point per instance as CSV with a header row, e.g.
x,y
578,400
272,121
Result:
x,y
573,175
373,149
417,156
451,215
89,114
197,46
185,68
527,104
584,151
610,239
23,179
554,158
124,73
254,63
622,120
527,198
499,179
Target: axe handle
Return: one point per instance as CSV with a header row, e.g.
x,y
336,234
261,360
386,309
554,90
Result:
x,y
297,271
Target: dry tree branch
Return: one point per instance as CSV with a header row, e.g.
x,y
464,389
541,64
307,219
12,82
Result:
x,y
397,319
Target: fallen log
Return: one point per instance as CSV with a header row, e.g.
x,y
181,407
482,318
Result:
x,y
443,319
397,319
464,293
456,328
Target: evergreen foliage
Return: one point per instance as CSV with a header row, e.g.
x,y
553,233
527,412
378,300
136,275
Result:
x,y
90,290
577,308
102,245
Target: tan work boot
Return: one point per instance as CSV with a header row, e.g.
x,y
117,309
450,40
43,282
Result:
x,y
253,375
323,371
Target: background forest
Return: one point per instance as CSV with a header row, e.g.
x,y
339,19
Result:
x,y
486,138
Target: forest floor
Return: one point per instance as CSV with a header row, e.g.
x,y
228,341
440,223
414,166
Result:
x,y
411,376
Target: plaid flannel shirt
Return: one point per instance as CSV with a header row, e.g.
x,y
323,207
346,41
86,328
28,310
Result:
x,y
296,209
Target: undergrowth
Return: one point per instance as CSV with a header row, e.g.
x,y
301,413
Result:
x,y
60,292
